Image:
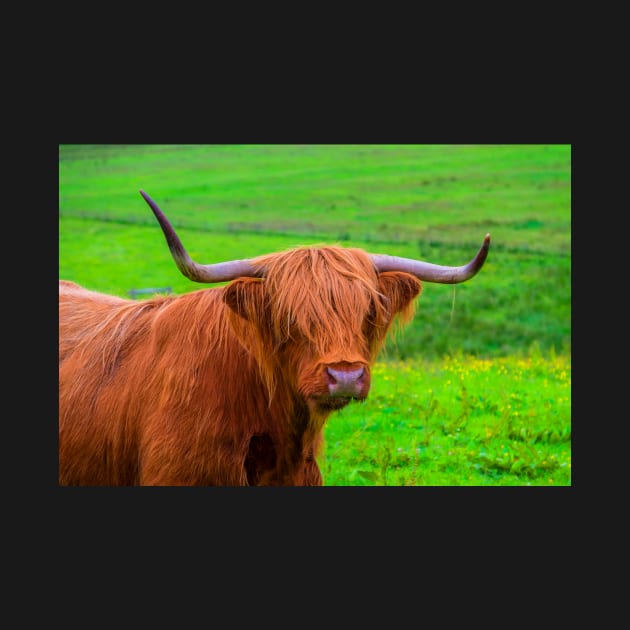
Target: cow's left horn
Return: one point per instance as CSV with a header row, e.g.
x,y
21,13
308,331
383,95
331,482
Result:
x,y
218,272
430,272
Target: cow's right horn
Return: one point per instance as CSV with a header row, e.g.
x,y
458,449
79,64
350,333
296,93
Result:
x,y
217,272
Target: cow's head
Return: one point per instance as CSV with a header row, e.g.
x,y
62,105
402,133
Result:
x,y
318,315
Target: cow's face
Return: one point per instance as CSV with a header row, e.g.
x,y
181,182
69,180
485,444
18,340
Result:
x,y
319,317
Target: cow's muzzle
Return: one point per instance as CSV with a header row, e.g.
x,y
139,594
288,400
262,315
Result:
x,y
346,383
343,382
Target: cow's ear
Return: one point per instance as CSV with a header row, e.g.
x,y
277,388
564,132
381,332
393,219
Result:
x,y
246,297
401,288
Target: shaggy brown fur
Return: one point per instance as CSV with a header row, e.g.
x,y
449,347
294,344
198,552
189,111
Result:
x,y
221,386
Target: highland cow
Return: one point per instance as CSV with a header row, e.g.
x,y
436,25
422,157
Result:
x,y
231,385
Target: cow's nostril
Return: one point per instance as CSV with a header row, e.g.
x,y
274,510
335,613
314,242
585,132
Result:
x,y
331,376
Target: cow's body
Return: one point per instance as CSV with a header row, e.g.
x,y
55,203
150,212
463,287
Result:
x,y
152,395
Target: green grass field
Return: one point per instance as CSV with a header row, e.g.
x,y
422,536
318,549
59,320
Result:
x,y
419,426
459,421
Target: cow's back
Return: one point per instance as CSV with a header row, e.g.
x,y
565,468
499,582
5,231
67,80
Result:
x,y
80,311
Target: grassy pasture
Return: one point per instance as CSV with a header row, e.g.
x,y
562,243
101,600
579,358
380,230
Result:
x,y
431,202
457,421
490,355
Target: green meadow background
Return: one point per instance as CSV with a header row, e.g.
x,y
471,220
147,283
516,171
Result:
x,y
476,389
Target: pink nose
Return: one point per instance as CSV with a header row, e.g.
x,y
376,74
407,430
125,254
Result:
x,y
345,383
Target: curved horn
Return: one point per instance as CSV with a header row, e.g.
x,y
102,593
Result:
x,y
218,272
430,272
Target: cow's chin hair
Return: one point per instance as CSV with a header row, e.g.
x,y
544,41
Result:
x,y
328,404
